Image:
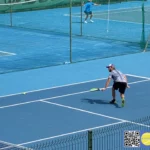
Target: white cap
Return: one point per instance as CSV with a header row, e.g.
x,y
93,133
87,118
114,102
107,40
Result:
x,y
110,65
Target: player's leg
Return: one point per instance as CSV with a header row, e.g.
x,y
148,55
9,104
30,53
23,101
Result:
x,y
86,16
122,99
115,87
91,15
122,89
113,96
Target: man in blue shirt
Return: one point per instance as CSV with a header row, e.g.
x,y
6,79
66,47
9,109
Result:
x,y
88,10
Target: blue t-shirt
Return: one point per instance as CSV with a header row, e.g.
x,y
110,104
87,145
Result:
x,y
88,6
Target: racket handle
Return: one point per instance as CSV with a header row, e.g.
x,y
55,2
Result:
x,y
102,89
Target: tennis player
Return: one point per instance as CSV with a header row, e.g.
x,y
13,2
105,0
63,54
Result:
x,y
88,10
120,82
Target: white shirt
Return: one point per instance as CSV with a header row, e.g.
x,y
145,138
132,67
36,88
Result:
x,y
117,76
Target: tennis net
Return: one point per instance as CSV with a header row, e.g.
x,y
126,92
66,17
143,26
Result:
x,y
10,146
114,137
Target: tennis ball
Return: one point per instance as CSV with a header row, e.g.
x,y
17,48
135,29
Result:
x,y
146,138
24,93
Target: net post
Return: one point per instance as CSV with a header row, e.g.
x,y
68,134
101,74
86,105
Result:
x,y
81,18
70,31
90,140
142,43
10,14
108,16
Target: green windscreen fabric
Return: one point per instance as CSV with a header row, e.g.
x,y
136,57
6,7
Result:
x,y
44,4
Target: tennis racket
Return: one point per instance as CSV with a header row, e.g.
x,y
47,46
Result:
x,y
94,89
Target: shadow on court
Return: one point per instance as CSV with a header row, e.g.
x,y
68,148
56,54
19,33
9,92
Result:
x,y
99,101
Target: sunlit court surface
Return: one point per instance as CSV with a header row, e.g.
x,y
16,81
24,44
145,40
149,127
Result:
x,y
71,111
51,58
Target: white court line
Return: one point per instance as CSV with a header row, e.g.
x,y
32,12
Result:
x,y
8,53
70,133
61,86
10,145
119,9
121,21
14,147
34,101
138,76
115,12
116,20
82,110
93,113
105,12
101,13
139,81
85,129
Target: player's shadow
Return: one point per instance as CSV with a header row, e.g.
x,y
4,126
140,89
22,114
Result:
x,y
99,101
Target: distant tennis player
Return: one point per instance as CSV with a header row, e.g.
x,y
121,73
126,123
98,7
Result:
x,y
120,82
88,10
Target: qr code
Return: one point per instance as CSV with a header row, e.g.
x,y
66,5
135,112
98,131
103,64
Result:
x,y
131,139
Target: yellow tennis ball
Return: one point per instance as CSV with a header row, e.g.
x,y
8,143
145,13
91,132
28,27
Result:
x,y
24,92
146,138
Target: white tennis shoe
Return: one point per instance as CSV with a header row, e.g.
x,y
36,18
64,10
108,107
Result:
x,y
91,21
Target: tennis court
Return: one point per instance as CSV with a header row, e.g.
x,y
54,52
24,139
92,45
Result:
x,y
49,61
33,40
41,115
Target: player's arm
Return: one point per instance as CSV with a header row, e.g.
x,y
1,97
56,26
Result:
x,y
126,81
107,84
95,4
